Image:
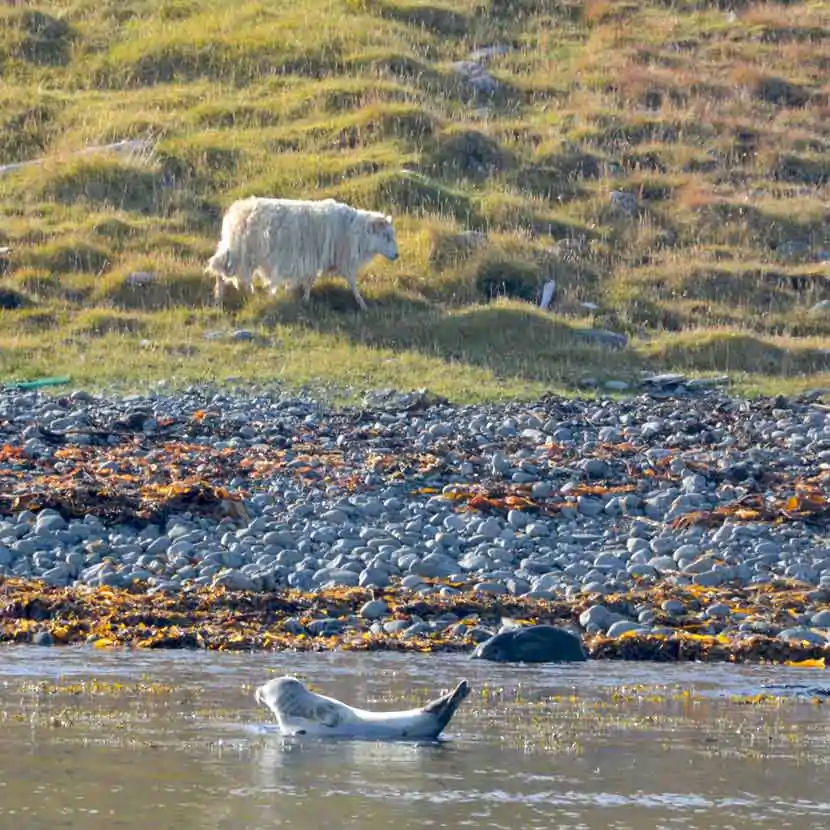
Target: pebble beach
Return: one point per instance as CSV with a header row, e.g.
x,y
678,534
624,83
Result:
x,y
680,523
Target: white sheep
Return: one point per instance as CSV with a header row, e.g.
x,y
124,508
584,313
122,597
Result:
x,y
287,241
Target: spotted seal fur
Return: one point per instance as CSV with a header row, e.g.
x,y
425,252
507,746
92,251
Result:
x,y
300,711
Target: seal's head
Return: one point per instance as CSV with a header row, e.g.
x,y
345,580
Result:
x,y
290,701
281,692
498,648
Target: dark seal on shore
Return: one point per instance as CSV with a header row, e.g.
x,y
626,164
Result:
x,y
533,644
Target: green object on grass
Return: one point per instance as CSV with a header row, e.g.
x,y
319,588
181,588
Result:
x,y
37,384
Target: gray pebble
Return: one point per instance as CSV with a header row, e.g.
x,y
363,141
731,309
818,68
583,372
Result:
x,y
623,627
821,619
42,638
374,609
312,531
325,628
795,635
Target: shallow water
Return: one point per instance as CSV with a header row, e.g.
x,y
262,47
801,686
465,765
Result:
x,y
92,739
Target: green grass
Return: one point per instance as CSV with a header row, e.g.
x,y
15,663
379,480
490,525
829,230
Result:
x,y
715,121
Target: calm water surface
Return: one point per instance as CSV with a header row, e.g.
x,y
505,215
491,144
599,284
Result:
x,y
92,739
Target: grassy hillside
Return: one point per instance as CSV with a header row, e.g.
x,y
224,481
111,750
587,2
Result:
x,y
667,163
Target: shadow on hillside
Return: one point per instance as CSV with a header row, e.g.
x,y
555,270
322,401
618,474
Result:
x,y
742,352
506,340
516,340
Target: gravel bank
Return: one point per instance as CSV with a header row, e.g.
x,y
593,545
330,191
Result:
x,y
681,516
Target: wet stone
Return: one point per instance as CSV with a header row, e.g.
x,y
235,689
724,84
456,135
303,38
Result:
x,y
374,610
324,628
621,627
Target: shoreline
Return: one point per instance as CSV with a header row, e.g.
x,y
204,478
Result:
x,y
222,620
681,525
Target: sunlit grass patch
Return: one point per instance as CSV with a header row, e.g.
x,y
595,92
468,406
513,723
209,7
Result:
x,y
712,119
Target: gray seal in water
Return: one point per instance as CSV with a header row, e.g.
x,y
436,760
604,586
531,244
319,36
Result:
x,y
300,711
532,644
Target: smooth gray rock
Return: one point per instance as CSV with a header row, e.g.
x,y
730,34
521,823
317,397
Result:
x,y
233,580
623,627
42,638
293,626
795,635
374,609
589,506
325,628
418,629
59,576
490,588
642,571
373,578
433,565
821,619
598,616
712,579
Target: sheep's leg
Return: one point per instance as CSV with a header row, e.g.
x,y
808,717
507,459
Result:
x,y
219,290
303,289
258,274
352,280
297,290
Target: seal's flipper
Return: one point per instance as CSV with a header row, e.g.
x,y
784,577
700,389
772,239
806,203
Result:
x,y
327,714
445,707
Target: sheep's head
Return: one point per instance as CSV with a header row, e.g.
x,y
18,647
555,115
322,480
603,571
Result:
x,y
382,238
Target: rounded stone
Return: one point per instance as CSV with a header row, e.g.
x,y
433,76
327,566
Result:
x,y
374,609
623,627
821,619
673,606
